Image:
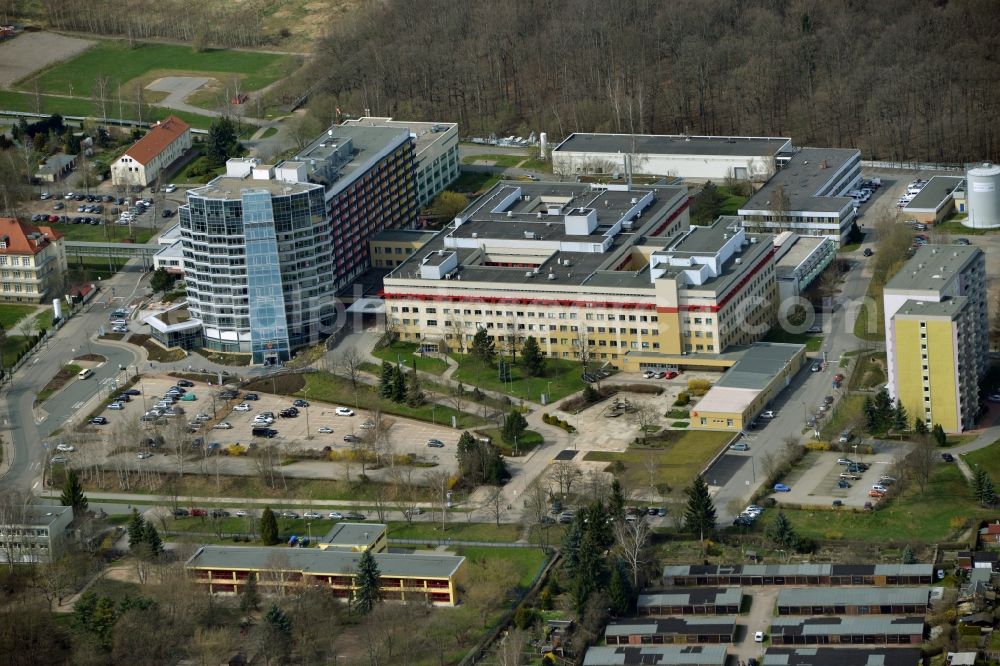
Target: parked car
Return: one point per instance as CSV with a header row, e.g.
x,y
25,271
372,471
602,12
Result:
x,y
435,443
845,437
181,513
133,391
947,457
758,637
289,514
300,403
875,493
335,515
352,439
844,461
368,425
116,406
868,252
344,411
241,513
843,484
816,367
225,425
768,414
739,446
218,513
59,460
311,515
184,383
242,407
142,455
354,515
189,397
65,448
649,374
99,420
325,430
781,488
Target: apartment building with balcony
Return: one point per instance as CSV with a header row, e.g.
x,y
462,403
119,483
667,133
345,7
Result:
x,y
612,269
32,262
937,335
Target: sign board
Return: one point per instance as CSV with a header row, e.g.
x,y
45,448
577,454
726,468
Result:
x,y
983,187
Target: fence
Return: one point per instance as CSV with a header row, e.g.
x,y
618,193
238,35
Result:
x,y
80,119
456,542
912,166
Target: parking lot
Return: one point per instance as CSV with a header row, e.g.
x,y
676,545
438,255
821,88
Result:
x,y
814,480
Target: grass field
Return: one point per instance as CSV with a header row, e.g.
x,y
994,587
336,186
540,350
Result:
x,y
680,459
115,60
536,164
456,528
10,314
778,334
104,232
526,561
525,443
915,517
846,413
11,100
731,203
83,269
407,353
952,225
562,378
470,182
871,309
505,161
988,458
155,351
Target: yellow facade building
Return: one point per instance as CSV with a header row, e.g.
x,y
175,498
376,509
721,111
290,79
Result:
x,y
937,335
391,247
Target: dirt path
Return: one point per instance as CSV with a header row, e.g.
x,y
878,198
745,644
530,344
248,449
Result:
x,y
32,52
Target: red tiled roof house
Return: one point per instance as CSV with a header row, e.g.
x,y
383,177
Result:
x,y
32,262
142,163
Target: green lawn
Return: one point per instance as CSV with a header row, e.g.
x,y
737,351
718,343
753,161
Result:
x,y
407,353
844,414
678,460
104,232
525,443
90,268
988,458
731,203
871,309
61,378
330,388
471,182
562,378
536,164
778,334
952,225
11,314
11,100
869,371
269,132
912,517
457,528
117,61
526,561
505,161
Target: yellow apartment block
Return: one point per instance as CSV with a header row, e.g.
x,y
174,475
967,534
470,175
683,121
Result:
x,y
391,247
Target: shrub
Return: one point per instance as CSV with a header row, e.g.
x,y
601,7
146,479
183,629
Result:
x,y
817,446
698,387
677,414
679,424
525,617
683,398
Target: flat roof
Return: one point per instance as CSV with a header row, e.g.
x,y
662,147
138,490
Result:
x,y
801,179
859,625
933,193
758,369
673,144
36,514
798,251
627,655
424,134
850,596
229,187
841,656
798,570
948,308
932,267
672,625
697,596
316,561
408,235
348,535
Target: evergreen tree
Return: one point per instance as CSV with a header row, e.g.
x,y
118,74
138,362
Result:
x,y
901,420
161,280
532,358
279,632
781,532
368,593
249,595
483,347
136,529
513,426
919,425
620,589
616,502
591,570
268,527
414,396
883,410
699,518
982,487
871,416
385,380
222,142
939,435
278,620
152,539
571,547
908,555
72,494
398,385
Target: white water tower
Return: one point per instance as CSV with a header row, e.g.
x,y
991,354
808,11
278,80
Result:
x,y
983,190
543,142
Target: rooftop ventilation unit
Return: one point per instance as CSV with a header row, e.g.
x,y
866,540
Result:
x,y
510,213
738,261
552,276
529,235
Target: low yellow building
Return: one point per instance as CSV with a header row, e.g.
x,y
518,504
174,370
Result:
x,y
746,389
391,247
356,538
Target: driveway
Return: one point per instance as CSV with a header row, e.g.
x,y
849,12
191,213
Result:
x,y
758,619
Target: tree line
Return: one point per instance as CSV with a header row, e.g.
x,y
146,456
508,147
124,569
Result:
x,y
899,80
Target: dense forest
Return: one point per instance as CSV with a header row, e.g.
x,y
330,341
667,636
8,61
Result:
x,y
898,79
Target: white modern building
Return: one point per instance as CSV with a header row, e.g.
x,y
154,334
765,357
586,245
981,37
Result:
x,y
691,157
808,195
142,163
798,261
435,148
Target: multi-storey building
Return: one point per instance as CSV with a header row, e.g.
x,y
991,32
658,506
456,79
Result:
x,y
33,533
435,148
808,195
612,270
32,262
143,162
937,334
391,247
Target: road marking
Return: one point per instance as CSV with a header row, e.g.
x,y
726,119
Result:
x,y
78,405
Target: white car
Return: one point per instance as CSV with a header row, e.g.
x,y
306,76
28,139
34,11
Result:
x,y
240,513
311,515
170,188
242,407
758,637
768,414
649,374
66,448
225,425
344,411
263,420
144,454
325,430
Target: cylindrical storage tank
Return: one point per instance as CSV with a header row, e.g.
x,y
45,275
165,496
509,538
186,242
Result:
x,y
983,190
543,140
56,309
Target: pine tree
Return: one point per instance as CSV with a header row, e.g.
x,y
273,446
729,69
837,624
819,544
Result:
x,y
268,527
908,555
571,547
385,380
136,529
871,416
619,589
781,532
982,487
616,502
368,593
700,515
249,595
152,539
279,632
72,494
513,426
939,435
398,385
483,347
591,570
901,420
919,425
414,396
532,358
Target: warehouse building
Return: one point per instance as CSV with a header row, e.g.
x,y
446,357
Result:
x,y
691,157
936,200
671,630
854,601
404,576
748,386
689,655
847,631
808,195
937,334
750,575
697,601
870,656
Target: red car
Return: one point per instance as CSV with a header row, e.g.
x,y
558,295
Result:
x,y
671,374
199,512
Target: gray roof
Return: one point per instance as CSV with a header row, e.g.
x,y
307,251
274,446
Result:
x,y
852,596
932,267
36,514
801,248
625,655
404,235
866,625
315,561
933,193
424,134
841,656
696,596
366,143
231,188
666,144
757,369
949,308
346,535
672,625
802,179
799,570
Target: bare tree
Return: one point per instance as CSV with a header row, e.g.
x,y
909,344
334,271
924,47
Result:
x,y
646,416
102,86
349,363
920,461
513,649
495,503
565,474
631,539
437,480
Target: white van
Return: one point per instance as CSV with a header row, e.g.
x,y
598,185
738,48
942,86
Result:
x,y
85,373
